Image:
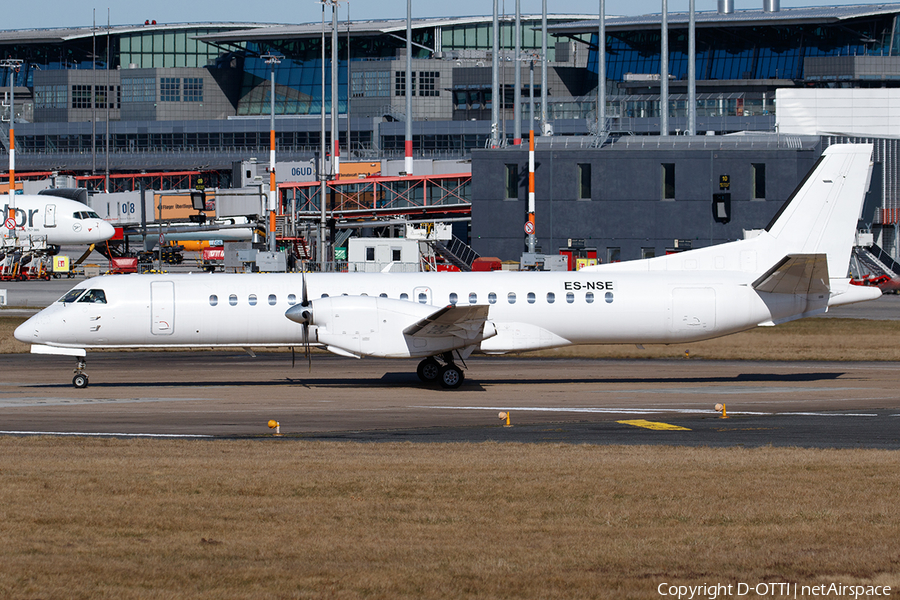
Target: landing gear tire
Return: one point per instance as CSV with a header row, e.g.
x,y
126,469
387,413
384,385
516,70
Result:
x,y
451,377
428,370
80,381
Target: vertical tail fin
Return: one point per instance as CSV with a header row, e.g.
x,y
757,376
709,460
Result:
x,y
821,215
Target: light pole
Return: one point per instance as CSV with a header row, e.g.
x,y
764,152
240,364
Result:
x,y
601,71
13,64
517,94
323,176
272,60
408,141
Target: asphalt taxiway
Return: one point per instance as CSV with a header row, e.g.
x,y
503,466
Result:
x,y
231,394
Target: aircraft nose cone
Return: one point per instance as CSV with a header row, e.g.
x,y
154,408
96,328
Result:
x,y
105,230
26,332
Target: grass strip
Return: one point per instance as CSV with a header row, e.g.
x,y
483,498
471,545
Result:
x,y
135,519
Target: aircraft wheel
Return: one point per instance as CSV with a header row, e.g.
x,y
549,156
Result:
x,y
428,370
80,381
451,377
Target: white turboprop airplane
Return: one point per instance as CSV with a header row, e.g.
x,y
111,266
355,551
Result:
x,y
796,268
53,220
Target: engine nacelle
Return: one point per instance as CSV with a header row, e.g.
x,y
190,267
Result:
x,y
373,326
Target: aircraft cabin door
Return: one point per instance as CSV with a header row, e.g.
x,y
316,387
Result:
x,y
50,216
162,307
422,295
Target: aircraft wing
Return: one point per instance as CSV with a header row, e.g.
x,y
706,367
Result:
x,y
796,274
464,322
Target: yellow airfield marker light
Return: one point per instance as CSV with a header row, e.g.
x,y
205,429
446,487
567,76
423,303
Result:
x,y
721,407
654,425
505,415
687,353
273,424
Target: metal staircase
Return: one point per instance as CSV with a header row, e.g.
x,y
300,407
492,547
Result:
x,y
878,262
456,252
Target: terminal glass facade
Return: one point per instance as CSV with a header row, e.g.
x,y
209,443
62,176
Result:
x,y
762,52
298,77
158,49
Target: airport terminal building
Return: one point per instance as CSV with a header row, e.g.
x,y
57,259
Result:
x,y
197,96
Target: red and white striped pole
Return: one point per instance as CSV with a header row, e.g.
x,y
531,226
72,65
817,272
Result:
x,y
335,108
408,156
13,64
272,60
530,225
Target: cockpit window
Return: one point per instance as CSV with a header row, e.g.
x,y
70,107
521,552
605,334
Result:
x,y
95,296
72,295
86,214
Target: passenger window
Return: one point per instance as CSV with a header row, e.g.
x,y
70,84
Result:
x,y
94,296
589,297
473,298
232,300
531,297
213,300
404,296
252,299
72,295
511,297
382,295
453,298
423,298
570,297
324,295
492,298
551,297
272,300
609,297
292,299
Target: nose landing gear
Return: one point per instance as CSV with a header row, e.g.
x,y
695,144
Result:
x,y
80,380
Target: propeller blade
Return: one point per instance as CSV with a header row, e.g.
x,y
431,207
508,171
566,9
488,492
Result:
x,y
304,301
292,357
306,346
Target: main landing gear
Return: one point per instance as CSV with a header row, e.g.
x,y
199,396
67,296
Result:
x,y
81,379
448,375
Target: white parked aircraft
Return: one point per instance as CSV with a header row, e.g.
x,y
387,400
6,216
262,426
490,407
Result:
x,y
796,268
52,220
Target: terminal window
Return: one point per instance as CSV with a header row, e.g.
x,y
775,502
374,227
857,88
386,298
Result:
x,y
584,181
170,89
429,83
139,89
668,181
512,182
759,180
81,96
400,83
193,89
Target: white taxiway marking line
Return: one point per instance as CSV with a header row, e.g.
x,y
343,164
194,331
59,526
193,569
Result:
x,y
642,411
86,434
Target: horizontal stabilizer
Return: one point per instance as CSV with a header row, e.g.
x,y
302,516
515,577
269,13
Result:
x,y
796,274
464,322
